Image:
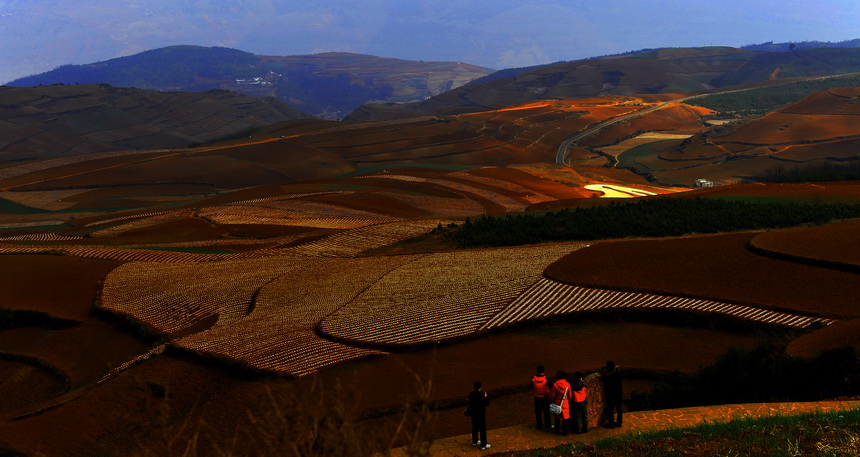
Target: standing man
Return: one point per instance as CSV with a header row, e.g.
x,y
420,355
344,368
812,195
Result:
x,y
478,402
540,387
612,383
579,390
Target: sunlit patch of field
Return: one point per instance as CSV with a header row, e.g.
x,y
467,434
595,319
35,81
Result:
x,y
616,191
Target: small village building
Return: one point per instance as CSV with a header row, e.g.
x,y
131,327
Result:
x,y
702,182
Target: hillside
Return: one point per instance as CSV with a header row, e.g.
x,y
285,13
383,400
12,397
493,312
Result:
x,y
327,85
52,121
656,71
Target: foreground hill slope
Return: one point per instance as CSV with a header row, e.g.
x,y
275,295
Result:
x,y
326,85
49,121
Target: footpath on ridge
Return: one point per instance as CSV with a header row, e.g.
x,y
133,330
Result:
x,y
524,437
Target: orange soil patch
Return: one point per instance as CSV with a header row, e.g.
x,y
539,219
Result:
x,y
25,385
671,119
718,267
840,334
833,150
371,202
838,242
782,127
59,285
838,101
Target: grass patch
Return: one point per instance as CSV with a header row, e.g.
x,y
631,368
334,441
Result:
x,y
628,158
822,434
10,207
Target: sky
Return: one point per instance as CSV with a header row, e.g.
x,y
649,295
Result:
x,y
39,35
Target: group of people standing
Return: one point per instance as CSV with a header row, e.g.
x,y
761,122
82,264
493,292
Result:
x,y
563,398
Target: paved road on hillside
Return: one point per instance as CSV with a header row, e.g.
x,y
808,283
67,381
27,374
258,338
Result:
x,y
561,155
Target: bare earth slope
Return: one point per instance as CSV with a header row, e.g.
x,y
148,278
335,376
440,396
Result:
x,y
40,122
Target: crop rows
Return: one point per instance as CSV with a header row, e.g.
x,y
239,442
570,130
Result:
x,y
441,296
142,222
171,298
279,334
353,242
406,178
288,197
508,203
111,253
125,218
549,298
441,207
41,237
236,215
526,194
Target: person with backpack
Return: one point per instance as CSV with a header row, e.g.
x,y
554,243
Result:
x,y
560,396
541,387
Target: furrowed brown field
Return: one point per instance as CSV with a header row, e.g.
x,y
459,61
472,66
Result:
x,y
201,280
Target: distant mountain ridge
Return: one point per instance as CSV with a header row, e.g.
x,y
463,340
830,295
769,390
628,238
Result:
x,y
328,85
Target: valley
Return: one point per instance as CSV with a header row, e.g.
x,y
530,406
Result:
x,y
162,291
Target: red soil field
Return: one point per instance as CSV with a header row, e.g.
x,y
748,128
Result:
x,y
718,267
111,411
825,192
834,336
71,283
838,242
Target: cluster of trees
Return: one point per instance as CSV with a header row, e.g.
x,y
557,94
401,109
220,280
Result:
x,y
765,374
658,217
820,172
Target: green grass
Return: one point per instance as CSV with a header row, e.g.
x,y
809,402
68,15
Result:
x,y
628,158
819,434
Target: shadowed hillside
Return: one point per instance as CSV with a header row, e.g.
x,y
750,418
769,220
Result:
x,y
50,121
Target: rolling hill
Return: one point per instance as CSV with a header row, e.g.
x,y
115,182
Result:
x,y
656,71
62,121
327,85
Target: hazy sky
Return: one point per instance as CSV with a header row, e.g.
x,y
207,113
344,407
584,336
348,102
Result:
x,y
38,35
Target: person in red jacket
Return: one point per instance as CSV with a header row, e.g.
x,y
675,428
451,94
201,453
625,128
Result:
x,y
540,387
579,407
560,395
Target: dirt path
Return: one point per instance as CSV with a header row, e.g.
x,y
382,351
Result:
x,y
524,437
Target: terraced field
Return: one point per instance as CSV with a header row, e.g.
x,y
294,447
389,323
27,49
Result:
x,y
549,298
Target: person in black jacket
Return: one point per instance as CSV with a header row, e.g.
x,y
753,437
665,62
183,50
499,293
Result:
x,y
478,402
612,384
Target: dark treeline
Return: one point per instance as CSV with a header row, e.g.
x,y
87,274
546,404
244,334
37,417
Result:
x,y
765,374
821,172
659,217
